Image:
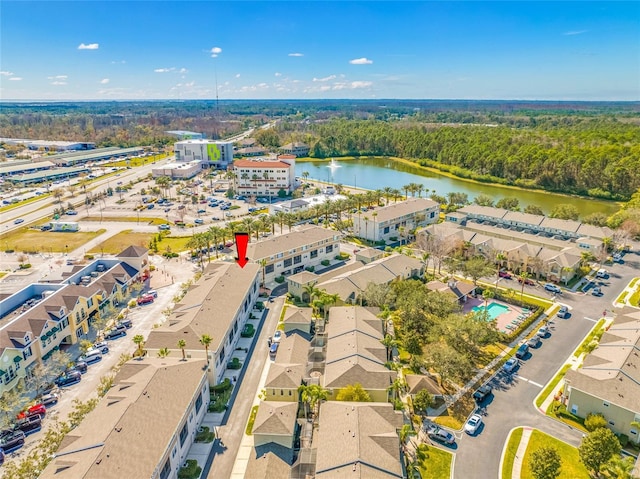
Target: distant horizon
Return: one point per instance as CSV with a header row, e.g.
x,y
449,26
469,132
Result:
x,y
321,50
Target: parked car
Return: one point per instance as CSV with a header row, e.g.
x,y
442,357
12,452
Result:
x,y
145,299
527,281
92,356
198,221
50,399
101,346
115,334
81,367
522,351
164,227
12,441
534,342
1,456
553,288
511,365
542,332
68,379
473,424
18,221
273,350
36,409
504,274
563,312
436,433
596,291
482,393
71,212
277,336
153,293
29,425
124,322
602,273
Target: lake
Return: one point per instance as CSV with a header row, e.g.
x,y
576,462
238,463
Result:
x,y
376,173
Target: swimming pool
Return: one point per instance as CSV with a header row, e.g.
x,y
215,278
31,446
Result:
x,y
493,309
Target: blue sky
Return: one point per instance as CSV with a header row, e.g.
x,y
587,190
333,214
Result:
x,y
305,49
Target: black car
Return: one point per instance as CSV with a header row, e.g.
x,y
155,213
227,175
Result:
x,y
125,322
482,393
115,334
29,424
80,366
12,441
68,379
436,433
522,351
1,456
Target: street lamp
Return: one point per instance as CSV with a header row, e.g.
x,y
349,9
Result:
x,y
66,250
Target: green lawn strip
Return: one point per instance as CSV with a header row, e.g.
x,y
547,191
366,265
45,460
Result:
x,y
550,387
129,219
126,238
571,465
24,202
3,274
633,300
559,411
252,418
595,333
510,453
622,298
633,282
33,240
437,465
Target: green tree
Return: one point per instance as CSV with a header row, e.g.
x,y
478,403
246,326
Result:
x,y
423,401
205,340
182,344
476,268
545,463
509,203
618,468
597,448
533,210
138,339
594,420
353,392
483,200
565,212
163,352
311,395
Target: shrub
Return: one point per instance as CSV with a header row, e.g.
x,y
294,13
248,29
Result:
x,y
88,257
259,305
311,269
325,262
624,440
191,471
279,279
234,364
594,421
223,386
25,266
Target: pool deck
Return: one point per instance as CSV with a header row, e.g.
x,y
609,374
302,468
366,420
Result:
x,y
503,320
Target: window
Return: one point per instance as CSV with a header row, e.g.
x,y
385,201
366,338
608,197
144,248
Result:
x,y
183,435
287,262
386,230
611,423
166,470
329,248
281,392
269,269
297,259
605,404
314,254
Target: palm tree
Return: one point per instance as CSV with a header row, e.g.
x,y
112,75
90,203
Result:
x,y
405,433
524,276
263,267
487,294
138,339
329,300
216,233
311,291
389,342
163,352
500,257
312,395
305,175
406,189
182,344
205,340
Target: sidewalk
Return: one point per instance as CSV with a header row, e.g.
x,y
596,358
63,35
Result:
x,y
522,449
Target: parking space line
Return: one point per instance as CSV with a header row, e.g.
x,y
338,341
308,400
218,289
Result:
x,y
591,319
529,381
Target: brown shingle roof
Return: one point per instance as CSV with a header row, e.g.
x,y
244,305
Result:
x,y
133,252
294,239
267,466
276,418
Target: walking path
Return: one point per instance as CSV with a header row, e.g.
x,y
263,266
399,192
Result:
x,y
522,449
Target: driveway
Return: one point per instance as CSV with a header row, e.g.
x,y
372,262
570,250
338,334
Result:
x,y
512,402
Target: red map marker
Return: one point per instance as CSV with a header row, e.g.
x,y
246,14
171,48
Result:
x,y
242,240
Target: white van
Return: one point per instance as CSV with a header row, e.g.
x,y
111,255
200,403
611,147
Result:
x,y
602,273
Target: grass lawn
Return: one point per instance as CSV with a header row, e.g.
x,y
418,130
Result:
x,y
456,415
129,219
622,297
126,238
28,240
3,274
437,465
510,453
596,333
571,465
550,388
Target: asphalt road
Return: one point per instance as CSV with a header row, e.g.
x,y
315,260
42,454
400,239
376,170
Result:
x,y
512,402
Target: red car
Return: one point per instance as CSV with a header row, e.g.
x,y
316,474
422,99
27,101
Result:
x,y
33,410
528,281
504,274
145,299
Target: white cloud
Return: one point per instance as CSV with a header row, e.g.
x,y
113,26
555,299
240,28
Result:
x,y
215,51
58,77
361,84
88,46
183,70
57,83
361,61
104,81
6,74
296,54
329,78
15,78
575,32
121,61
237,75
278,74
164,70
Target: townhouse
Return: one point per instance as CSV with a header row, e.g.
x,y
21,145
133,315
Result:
x,y
143,427
295,148
219,305
265,177
396,222
292,252
608,381
288,371
355,353
45,317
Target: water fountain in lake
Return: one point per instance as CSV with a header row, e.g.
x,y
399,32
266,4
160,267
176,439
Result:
x,y
334,164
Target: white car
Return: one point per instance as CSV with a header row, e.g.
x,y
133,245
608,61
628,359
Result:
x,y
472,424
277,336
510,365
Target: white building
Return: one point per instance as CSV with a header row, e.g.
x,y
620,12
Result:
x,y
301,204
397,220
183,170
265,177
210,153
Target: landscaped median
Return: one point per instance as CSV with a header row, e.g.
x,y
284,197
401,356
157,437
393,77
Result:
x,y
571,467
